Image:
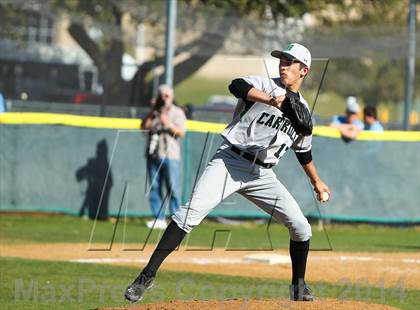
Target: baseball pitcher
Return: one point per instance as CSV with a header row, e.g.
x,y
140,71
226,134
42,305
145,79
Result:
x,y
271,117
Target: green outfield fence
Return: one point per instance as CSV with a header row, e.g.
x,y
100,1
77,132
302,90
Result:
x,y
43,158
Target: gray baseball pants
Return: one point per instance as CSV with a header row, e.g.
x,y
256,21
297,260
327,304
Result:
x,y
228,173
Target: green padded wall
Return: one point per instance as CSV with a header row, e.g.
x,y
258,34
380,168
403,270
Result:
x,y
374,181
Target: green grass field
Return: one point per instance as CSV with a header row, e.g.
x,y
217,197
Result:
x,y
361,238
197,90
30,284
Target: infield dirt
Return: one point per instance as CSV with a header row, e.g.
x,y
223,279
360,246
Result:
x,y
387,269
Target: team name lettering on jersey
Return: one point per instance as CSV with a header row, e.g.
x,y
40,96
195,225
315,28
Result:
x,y
259,129
277,122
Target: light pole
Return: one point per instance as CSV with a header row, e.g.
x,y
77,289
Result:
x,y
410,63
171,6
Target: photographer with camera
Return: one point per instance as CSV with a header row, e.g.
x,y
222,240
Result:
x,y
166,125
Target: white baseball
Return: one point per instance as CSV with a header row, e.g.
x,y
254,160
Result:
x,y
325,197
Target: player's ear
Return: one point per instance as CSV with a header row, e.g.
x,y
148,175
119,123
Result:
x,y
304,71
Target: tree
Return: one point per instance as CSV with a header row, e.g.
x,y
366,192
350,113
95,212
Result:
x,y
107,51
204,27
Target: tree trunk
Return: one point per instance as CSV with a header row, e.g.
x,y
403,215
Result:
x,y
139,90
107,59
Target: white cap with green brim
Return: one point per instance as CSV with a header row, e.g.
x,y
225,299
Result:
x,y
295,51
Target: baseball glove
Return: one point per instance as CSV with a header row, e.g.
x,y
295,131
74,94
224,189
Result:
x,y
298,114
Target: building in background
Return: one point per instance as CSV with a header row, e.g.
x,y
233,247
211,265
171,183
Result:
x,y
37,64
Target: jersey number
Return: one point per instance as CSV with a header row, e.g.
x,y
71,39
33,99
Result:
x,y
279,152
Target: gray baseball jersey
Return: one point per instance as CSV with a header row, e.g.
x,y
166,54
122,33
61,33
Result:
x,y
264,134
263,130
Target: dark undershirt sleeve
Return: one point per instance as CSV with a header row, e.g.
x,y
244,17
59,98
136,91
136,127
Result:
x,y
304,158
239,88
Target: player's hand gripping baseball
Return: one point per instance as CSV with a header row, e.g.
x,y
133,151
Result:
x,y
322,191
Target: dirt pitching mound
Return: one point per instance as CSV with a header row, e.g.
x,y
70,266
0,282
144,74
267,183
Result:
x,y
242,304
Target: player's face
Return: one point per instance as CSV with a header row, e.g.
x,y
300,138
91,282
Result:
x,y
291,72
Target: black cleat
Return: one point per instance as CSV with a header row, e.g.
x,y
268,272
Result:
x,y
135,290
301,292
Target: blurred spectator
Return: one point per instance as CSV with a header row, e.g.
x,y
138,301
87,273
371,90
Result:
x,y
166,124
349,125
2,104
370,119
